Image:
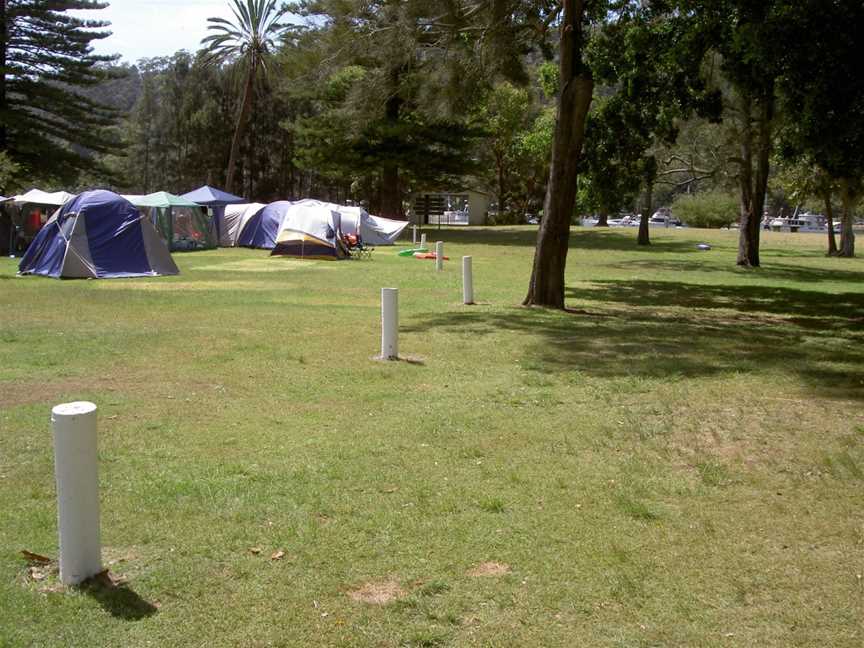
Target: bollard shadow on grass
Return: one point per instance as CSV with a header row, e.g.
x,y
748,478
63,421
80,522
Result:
x,y
669,330
117,598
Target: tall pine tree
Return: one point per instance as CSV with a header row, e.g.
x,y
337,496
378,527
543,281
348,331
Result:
x,y
46,126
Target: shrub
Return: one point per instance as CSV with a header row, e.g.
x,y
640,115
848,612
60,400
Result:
x,y
710,209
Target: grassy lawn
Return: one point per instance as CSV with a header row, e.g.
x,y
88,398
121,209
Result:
x,y
678,462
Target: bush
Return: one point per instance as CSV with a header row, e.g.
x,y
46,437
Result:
x,y
710,209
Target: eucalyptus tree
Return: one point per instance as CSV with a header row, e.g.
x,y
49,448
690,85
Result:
x,y
651,59
47,125
801,181
576,88
505,114
822,92
646,55
249,41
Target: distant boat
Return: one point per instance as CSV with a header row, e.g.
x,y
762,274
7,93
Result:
x,y
801,223
663,218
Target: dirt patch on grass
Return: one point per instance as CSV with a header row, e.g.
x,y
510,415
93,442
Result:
x,y
377,593
29,393
489,569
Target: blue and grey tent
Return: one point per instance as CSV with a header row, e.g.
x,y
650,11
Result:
x,y
215,200
262,229
100,235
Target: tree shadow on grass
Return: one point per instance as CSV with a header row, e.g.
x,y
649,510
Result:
x,y
805,308
664,330
581,239
813,253
118,599
769,271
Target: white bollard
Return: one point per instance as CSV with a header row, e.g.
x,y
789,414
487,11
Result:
x,y
414,235
389,323
76,471
439,256
467,281
423,240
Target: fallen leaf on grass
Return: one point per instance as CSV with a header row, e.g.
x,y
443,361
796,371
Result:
x,y
255,551
35,574
36,558
277,555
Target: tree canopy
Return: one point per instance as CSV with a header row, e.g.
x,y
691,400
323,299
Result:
x,y
48,126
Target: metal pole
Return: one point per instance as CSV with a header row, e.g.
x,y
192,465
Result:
x,y
76,471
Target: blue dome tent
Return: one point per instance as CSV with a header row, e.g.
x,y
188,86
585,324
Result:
x,y
100,235
262,229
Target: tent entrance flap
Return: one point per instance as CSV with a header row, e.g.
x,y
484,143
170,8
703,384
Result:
x,y
305,246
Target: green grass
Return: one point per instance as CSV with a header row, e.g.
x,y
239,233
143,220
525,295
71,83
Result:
x,y
677,462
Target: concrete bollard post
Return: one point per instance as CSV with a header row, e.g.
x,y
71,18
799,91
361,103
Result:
x,y
439,256
389,323
423,240
414,235
76,471
467,281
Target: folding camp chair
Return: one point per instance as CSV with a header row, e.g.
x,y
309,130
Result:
x,y
357,249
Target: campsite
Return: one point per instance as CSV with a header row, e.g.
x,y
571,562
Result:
x,y
263,478
420,324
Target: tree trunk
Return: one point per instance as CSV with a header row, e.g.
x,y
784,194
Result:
x,y
847,236
147,159
643,238
754,183
245,109
829,215
391,191
3,105
546,287
501,184
603,218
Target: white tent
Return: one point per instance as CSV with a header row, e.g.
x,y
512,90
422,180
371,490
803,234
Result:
x,y
39,197
374,230
377,230
310,230
233,220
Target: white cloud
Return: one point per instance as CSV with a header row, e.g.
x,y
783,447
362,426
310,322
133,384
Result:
x,y
147,28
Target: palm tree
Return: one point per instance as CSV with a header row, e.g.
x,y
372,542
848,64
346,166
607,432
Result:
x,y
250,40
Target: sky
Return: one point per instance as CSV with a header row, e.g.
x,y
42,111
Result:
x,y
147,28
